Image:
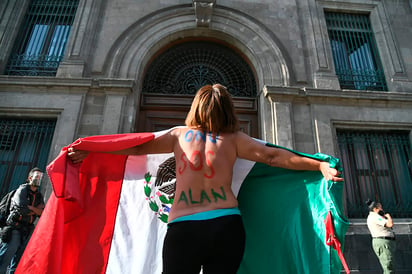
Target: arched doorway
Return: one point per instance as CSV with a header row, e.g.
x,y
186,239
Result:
x,y
176,73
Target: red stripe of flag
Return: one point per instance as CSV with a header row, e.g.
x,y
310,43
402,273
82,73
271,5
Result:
x,y
75,231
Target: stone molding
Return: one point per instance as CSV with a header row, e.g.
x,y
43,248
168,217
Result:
x,y
203,12
326,96
359,227
116,86
329,110
134,48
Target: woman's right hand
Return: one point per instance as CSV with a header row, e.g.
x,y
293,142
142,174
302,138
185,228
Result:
x,y
77,156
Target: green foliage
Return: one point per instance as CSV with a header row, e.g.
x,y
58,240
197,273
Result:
x,y
154,206
163,217
147,177
164,200
147,190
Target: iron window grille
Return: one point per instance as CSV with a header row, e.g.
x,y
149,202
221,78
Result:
x,y
377,165
40,44
24,144
354,50
186,67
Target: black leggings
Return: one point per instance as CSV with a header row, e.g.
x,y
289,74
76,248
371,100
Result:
x,y
216,244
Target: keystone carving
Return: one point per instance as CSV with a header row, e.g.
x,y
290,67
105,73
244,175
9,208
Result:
x,y
203,12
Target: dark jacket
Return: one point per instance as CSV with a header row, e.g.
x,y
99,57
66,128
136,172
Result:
x,y
19,212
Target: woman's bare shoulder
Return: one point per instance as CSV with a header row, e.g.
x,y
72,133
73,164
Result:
x,y
177,131
241,136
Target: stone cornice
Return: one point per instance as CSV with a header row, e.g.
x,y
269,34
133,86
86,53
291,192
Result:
x,y
328,96
54,83
359,227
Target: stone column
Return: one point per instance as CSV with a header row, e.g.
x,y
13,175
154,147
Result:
x,y
277,121
112,114
81,39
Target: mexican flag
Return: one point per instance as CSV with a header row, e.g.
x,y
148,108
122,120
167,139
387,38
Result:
x,y
109,213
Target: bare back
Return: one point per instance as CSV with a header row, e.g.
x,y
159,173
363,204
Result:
x,y
204,169
204,165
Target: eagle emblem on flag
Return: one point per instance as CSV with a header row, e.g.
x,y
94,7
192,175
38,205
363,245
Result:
x,y
160,195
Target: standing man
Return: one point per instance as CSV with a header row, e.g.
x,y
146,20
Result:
x,y
383,238
26,205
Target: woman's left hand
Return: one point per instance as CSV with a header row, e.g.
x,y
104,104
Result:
x,y
330,174
77,156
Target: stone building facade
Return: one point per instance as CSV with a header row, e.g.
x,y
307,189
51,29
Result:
x,y
106,81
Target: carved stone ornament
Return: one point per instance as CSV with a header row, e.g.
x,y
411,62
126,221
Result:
x,y
203,12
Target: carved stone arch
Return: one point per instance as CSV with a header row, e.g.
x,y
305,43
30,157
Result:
x,y
134,48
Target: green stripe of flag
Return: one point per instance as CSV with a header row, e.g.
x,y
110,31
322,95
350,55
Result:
x,y
283,212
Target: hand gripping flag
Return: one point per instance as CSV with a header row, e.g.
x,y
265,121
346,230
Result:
x,y
108,214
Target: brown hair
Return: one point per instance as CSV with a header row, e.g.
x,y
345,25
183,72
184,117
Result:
x,y
372,204
212,110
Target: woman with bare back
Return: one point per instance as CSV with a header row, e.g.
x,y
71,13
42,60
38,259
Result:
x,y
205,227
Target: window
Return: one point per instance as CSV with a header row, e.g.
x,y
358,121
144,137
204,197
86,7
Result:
x,y
354,51
186,67
377,165
40,45
24,144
